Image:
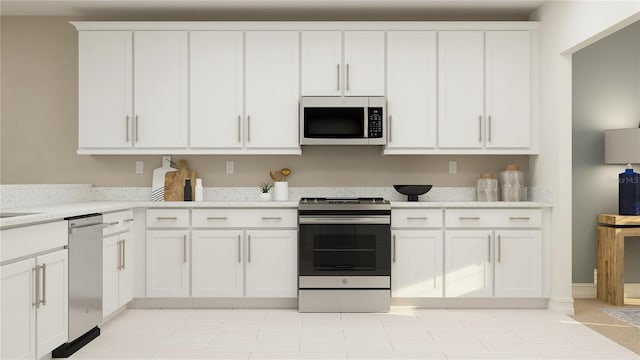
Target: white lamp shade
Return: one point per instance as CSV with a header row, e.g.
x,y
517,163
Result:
x,y
622,146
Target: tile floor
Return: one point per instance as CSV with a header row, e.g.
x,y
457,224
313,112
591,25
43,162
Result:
x,y
401,334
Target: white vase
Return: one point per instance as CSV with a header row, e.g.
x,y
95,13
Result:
x,y
265,196
280,191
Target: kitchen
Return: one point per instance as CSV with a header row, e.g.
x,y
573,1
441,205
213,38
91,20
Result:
x,y
317,167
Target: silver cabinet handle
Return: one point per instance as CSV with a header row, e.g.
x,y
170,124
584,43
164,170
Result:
x,y
347,77
390,128
127,121
248,128
239,248
338,79
137,129
36,282
499,248
184,248
272,218
124,255
119,267
223,218
417,218
249,249
480,128
469,218
128,220
489,245
44,284
519,218
239,128
166,218
489,128
394,249
114,223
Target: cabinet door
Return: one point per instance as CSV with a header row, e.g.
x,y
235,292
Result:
x,y
272,94
160,89
468,263
518,269
18,311
110,263
167,263
104,89
216,93
508,89
125,275
364,63
272,263
322,69
217,263
52,315
416,261
411,89
460,89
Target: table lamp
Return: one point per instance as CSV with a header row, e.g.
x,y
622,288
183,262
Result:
x,y
622,146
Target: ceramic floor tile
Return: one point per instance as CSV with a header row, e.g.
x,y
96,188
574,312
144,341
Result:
x,y
297,356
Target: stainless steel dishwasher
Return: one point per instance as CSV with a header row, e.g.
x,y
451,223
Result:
x,y
85,282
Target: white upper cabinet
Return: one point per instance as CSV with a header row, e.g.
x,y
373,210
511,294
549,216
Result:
x,y
216,89
272,89
160,89
508,89
104,89
484,90
460,89
411,89
327,70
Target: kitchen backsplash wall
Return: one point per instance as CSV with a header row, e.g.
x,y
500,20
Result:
x,y
39,135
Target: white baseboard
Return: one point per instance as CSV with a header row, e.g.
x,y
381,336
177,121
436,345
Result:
x,y
589,291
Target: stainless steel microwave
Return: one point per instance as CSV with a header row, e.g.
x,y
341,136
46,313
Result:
x,y
327,120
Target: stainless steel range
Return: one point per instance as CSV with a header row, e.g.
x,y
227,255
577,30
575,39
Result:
x,y
344,255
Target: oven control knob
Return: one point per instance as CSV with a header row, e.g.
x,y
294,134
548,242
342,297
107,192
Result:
x,y
344,281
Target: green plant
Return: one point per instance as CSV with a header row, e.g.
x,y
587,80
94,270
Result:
x,y
265,187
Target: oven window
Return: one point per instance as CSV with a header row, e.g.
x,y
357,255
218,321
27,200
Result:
x,y
340,122
344,249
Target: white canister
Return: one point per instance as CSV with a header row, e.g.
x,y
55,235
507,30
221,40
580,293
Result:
x,y
512,184
265,196
487,188
280,191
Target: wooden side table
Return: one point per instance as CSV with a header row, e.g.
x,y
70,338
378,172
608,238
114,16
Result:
x,y
612,229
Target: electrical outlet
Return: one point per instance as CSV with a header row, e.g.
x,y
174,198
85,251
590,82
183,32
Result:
x,y
453,167
166,160
230,166
595,275
139,167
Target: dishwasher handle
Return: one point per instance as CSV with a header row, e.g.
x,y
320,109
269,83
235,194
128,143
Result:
x,y
88,228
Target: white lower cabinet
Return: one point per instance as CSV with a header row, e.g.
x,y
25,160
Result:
x,y
168,263
34,306
218,269
416,263
272,263
468,263
117,272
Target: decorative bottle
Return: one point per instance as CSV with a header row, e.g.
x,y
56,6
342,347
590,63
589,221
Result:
x,y
199,190
512,184
487,188
629,192
187,190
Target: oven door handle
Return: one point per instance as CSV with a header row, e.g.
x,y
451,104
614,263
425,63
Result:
x,y
332,220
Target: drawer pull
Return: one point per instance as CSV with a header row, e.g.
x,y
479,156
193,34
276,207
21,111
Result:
x,y
114,223
519,218
222,218
469,218
272,218
417,218
166,218
128,220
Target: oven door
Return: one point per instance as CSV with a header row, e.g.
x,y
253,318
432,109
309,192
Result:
x,y
344,246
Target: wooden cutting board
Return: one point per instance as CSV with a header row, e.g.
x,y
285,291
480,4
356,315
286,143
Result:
x,y
174,182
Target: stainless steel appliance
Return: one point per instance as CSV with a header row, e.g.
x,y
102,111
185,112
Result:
x,y
85,282
344,255
333,120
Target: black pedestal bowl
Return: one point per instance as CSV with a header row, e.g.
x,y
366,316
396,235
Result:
x,y
412,191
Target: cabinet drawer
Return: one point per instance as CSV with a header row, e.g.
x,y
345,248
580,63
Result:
x,y
416,218
250,218
508,218
168,218
31,239
118,222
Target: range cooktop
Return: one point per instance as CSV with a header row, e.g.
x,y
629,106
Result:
x,y
363,203
338,201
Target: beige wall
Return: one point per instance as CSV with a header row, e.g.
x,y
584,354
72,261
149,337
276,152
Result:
x,y
39,132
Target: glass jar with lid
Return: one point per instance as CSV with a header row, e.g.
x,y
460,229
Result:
x,y
512,184
487,187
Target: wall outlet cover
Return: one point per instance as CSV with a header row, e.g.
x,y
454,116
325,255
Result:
x,y
230,167
139,167
453,167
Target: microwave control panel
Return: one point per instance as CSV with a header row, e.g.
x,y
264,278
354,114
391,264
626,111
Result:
x,y
375,122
